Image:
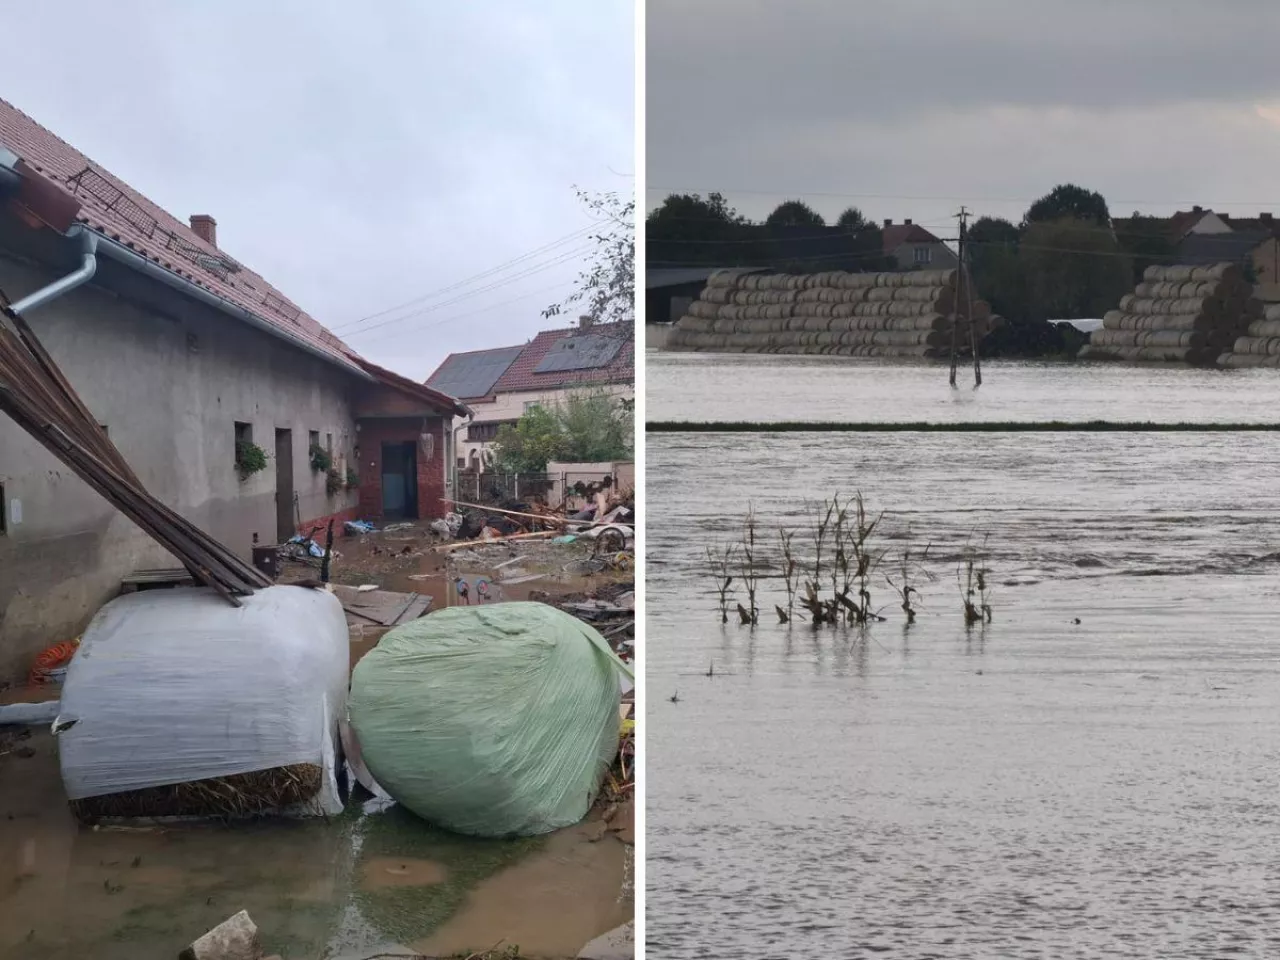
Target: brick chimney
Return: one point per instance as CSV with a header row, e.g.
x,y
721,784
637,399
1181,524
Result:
x,y
888,223
1197,209
1265,217
907,222
205,227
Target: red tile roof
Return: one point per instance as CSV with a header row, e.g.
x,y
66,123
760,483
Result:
x,y
117,211
896,234
414,389
520,376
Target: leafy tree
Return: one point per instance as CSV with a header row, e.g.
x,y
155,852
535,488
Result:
x,y
527,446
1073,269
606,290
794,213
853,220
992,250
1068,200
689,216
587,427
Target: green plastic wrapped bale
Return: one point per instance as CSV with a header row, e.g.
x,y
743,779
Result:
x,y
493,721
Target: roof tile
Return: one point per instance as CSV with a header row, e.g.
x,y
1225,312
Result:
x,y
61,162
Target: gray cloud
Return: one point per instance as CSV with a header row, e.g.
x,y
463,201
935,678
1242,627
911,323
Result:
x,y
356,157
988,100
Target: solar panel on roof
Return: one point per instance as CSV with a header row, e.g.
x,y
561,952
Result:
x,y
583,352
471,375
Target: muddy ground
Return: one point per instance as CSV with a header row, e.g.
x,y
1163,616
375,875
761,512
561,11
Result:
x,y
370,880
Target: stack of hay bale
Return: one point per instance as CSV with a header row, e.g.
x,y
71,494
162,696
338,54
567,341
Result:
x,y
850,314
1177,314
1260,344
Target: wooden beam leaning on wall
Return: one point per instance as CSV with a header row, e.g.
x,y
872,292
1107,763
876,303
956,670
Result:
x,y
38,397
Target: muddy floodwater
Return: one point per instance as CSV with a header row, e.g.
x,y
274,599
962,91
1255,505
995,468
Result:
x,y
744,387
372,880
1036,787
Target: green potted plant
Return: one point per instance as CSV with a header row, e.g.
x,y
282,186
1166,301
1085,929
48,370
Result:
x,y
250,458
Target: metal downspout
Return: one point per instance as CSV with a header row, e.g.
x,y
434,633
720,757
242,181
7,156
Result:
x,y
88,267
453,459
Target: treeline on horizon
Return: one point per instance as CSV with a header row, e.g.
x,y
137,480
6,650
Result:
x,y
1064,260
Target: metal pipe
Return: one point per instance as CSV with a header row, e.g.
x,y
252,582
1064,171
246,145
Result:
x,y
453,457
122,254
82,275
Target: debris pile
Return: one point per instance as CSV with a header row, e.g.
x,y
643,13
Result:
x,y
1178,314
915,314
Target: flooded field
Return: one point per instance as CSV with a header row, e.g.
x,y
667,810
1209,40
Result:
x,y
736,387
1094,773
373,880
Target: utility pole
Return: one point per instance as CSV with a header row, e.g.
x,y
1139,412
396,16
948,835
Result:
x,y
962,216
966,280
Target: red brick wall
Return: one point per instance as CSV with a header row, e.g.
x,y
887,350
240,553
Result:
x,y
339,518
370,438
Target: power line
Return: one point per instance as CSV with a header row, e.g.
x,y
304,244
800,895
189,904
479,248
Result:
x,y
545,248
493,306
506,281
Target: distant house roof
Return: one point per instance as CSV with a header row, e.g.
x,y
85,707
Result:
x,y
1207,248
896,234
679,276
115,210
471,375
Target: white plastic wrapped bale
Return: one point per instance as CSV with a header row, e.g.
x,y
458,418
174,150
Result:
x,y
178,703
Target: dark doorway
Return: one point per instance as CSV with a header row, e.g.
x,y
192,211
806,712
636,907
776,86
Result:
x,y
284,485
400,481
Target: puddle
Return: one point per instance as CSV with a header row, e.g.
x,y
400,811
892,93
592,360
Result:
x,y
316,889
383,872
550,904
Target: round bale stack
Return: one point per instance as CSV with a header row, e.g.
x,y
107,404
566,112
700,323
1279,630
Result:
x,y
1177,314
1259,346
847,314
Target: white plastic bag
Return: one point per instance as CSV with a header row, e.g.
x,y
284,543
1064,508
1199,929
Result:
x,y
172,686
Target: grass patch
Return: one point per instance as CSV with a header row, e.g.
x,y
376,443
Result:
x,y
973,426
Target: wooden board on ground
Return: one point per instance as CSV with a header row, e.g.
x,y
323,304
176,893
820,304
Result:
x,y
381,607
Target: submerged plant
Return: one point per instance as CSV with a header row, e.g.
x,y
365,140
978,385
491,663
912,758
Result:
x,y
720,561
749,570
790,575
974,589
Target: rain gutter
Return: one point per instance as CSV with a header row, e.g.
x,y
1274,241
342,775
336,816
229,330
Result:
x,y
94,245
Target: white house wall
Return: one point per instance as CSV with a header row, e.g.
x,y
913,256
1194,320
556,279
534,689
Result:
x,y
169,377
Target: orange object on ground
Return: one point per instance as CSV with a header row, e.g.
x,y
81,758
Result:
x,y
54,658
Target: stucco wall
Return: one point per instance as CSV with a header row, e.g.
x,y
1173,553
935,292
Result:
x,y
511,406
169,378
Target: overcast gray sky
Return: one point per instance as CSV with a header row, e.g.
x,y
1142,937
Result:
x,y
356,155
919,105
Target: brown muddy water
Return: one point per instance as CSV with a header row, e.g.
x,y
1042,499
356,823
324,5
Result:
x,y
1038,787
372,879
701,386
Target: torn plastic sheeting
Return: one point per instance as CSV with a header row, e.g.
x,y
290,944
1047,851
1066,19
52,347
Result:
x,y
359,526
173,686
